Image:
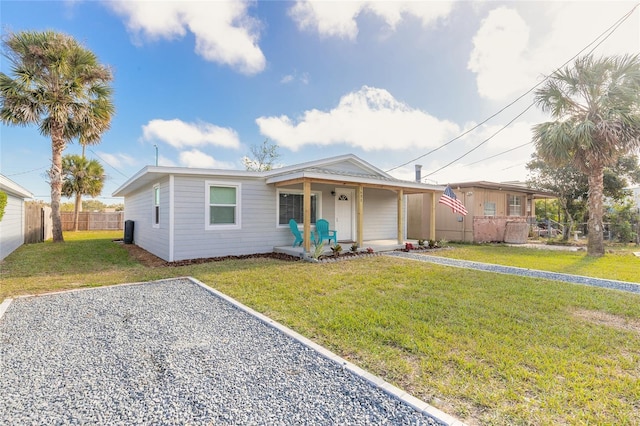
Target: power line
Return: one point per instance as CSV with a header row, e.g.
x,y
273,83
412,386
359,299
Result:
x,y
499,154
107,163
483,142
515,165
28,171
609,30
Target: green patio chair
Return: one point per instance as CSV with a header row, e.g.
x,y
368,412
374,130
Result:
x,y
293,225
324,233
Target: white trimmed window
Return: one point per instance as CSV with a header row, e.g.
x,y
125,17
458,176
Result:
x,y
222,205
156,206
515,205
291,206
490,208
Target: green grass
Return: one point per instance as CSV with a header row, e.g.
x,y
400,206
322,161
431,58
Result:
x,y
618,264
490,349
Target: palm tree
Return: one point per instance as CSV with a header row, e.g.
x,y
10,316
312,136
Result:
x,y
81,177
60,86
595,105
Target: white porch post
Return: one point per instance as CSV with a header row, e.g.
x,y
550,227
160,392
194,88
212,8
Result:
x,y
360,215
306,185
400,225
432,218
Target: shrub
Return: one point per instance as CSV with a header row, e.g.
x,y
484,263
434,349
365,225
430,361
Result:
x,y
3,203
318,250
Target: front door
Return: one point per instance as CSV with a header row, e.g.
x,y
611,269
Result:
x,y
344,214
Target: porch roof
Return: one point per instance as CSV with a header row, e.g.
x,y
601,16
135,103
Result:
x,y
13,188
341,177
504,186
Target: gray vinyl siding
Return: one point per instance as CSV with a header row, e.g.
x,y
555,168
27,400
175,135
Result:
x,y
183,232
12,226
380,214
139,208
258,233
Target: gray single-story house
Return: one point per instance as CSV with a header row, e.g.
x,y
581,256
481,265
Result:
x,y
12,223
183,213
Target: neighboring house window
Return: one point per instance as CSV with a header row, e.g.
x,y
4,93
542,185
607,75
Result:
x,y
515,205
156,206
490,208
291,206
223,205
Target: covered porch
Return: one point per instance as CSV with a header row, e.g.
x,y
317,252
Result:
x,y
368,209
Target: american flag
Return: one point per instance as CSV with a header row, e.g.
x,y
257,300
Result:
x,y
450,199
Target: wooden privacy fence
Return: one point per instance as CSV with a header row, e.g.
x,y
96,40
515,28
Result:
x,y
93,221
37,223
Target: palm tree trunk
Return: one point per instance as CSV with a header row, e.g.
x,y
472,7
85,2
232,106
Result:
x,y
76,211
567,229
78,205
595,241
55,174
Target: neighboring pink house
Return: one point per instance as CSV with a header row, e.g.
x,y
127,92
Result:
x,y
501,212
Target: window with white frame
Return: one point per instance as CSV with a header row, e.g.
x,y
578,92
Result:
x,y
515,205
291,206
223,205
156,206
490,208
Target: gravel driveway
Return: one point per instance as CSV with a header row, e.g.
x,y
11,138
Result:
x,y
173,352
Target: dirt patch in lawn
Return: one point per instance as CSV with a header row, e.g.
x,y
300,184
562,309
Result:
x,y
152,261
603,318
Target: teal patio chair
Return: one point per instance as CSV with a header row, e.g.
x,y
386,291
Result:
x,y
293,225
324,233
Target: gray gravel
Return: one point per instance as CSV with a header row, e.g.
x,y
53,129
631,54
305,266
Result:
x,y
534,273
168,353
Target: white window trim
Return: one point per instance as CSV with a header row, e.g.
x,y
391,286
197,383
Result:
x,y
495,208
318,195
156,187
509,205
207,204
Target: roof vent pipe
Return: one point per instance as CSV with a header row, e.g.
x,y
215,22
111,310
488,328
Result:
x,y
418,173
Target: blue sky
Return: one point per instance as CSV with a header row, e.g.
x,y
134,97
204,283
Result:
x,y
388,81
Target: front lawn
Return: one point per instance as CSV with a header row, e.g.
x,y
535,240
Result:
x,y
489,349
618,264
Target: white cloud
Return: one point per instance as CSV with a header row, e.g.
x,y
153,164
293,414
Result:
x,y
223,30
165,161
295,76
516,46
370,119
198,159
338,19
117,160
179,134
287,79
499,54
